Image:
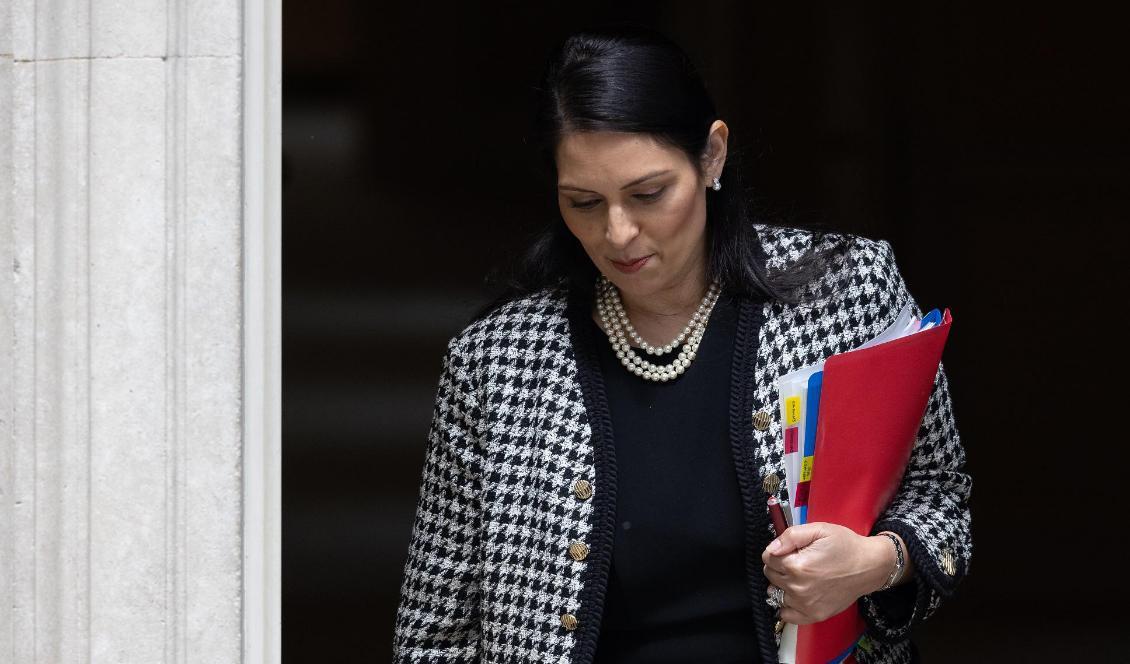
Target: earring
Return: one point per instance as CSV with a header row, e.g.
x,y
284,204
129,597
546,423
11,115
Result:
x,y
717,184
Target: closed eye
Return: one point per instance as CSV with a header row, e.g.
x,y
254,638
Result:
x,y
647,198
651,196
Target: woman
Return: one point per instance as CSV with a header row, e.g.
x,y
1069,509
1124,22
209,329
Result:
x,y
605,434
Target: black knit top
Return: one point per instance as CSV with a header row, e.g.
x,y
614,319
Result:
x,y
677,588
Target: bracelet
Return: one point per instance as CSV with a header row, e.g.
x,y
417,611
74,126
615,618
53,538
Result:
x,y
899,561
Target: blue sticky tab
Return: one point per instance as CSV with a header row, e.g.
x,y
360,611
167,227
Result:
x,y
931,319
812,414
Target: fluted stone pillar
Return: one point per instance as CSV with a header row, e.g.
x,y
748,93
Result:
x,y
122,305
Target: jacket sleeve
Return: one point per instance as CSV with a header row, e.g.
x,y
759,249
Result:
x,y
437,618
930,510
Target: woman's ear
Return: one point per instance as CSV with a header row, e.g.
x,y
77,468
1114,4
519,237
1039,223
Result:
x,y
715,158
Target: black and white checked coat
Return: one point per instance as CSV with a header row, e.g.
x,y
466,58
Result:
x,y
520,418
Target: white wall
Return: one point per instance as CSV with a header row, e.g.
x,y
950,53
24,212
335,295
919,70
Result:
x,y
122,331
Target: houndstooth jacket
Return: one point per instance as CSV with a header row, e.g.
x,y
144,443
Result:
x,y
511,544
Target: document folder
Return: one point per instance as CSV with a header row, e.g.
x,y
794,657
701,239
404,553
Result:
x,y
871,404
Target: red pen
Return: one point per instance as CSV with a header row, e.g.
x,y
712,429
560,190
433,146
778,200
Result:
x,y
778,515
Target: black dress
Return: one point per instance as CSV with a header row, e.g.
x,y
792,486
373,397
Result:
x,y
678,590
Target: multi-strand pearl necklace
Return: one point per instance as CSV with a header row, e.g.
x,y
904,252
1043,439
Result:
x,y
619,329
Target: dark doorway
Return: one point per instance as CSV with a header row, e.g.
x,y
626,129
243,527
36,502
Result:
x,y
989,145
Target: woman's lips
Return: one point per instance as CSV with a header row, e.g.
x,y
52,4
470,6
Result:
x,y
634,266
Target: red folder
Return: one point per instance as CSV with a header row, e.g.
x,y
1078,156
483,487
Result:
x,y
871,406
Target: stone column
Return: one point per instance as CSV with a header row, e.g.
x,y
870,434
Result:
x,y
121,336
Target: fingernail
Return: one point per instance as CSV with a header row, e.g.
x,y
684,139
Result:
x,y
774,545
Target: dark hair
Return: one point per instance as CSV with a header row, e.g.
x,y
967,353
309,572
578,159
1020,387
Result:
x,y
627,78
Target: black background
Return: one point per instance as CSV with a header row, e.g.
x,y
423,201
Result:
x,y
988,144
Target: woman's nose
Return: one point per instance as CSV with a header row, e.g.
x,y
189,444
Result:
x,y
621,228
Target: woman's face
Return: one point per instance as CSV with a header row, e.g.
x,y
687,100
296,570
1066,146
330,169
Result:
x,y
625,197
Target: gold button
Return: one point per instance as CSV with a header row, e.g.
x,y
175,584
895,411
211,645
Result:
x,y
582,489
761,420
569,621
771,483
578,550
949,564
779,627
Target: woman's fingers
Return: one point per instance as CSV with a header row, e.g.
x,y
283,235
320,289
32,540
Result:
x,y
798,608
776,564
775,577
797,587
793,539
813,564
794,610
796,563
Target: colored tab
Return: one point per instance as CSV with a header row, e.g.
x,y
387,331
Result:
x,y
801,494
792,438
806,468
812,416
792,410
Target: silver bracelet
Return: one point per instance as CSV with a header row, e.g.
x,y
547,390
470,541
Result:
x,y
899,561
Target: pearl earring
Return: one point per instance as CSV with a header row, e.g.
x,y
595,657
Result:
x,y
717,184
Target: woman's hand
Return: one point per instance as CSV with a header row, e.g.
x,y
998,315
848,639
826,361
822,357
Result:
x,y
824,567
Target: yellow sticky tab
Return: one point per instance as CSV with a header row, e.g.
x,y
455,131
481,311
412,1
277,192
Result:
x,y
792,410
806,469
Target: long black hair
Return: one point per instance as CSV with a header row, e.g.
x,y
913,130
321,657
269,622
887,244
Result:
x,y
628,78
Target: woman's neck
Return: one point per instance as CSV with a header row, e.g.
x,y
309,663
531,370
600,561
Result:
x,y
661,316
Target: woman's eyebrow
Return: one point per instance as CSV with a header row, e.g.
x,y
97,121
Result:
x,y
632,183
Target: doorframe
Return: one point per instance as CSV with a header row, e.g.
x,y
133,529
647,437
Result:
x,y
262,331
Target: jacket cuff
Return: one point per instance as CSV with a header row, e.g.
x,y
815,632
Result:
x,y
891,614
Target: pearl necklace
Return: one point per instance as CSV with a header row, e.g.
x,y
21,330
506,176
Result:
x,y
615,323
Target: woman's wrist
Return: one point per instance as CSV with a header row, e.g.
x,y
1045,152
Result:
x,y
900,559
889,561
883,562
880,559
